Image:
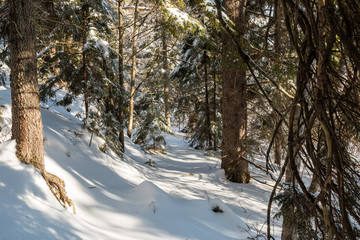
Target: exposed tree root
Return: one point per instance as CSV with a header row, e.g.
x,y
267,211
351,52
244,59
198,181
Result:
x,y
57,187
56,184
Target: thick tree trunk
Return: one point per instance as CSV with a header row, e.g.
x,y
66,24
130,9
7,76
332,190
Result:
x,y
166,78
133,72
121,75
26,118
234,105
27,128
288,230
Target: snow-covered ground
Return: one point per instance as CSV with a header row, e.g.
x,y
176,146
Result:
x,y
122,198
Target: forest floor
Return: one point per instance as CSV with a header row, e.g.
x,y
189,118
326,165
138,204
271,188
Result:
x,y
122,197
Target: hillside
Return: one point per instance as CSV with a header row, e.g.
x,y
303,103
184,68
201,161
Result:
x,y
122,198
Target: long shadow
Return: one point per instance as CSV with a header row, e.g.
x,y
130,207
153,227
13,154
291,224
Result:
x,y
103,184
251,202
68,145
20,217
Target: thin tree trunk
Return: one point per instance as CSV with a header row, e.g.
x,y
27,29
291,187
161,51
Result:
x,y
166,78
133,71
234,102
277,150
84,61
277,13
277,48
214,111
294,119
121,75
322,77
289,226
207,98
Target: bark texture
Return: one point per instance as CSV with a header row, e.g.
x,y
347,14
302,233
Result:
x,y
27,128
234,106
26,118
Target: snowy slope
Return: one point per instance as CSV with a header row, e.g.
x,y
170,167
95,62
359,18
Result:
x,y
122,198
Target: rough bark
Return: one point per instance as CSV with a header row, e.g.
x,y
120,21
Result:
x,y
27,128
234,105
26,118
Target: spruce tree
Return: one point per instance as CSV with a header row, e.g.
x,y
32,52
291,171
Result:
x,y
88,64
198,64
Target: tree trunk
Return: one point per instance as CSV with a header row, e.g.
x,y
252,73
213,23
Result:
x,y
214,111
166,78
26,118
208,125
277,37
234,105
121,75
289,227
27,128
277,48
84,60
133,72
288,230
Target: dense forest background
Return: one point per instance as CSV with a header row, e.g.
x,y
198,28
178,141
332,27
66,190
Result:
x,y
244,79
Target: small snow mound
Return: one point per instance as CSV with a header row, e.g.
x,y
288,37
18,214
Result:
x,y
148,190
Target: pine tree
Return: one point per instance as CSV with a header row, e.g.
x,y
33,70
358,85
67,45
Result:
x,y
153,123
88,64
198,63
